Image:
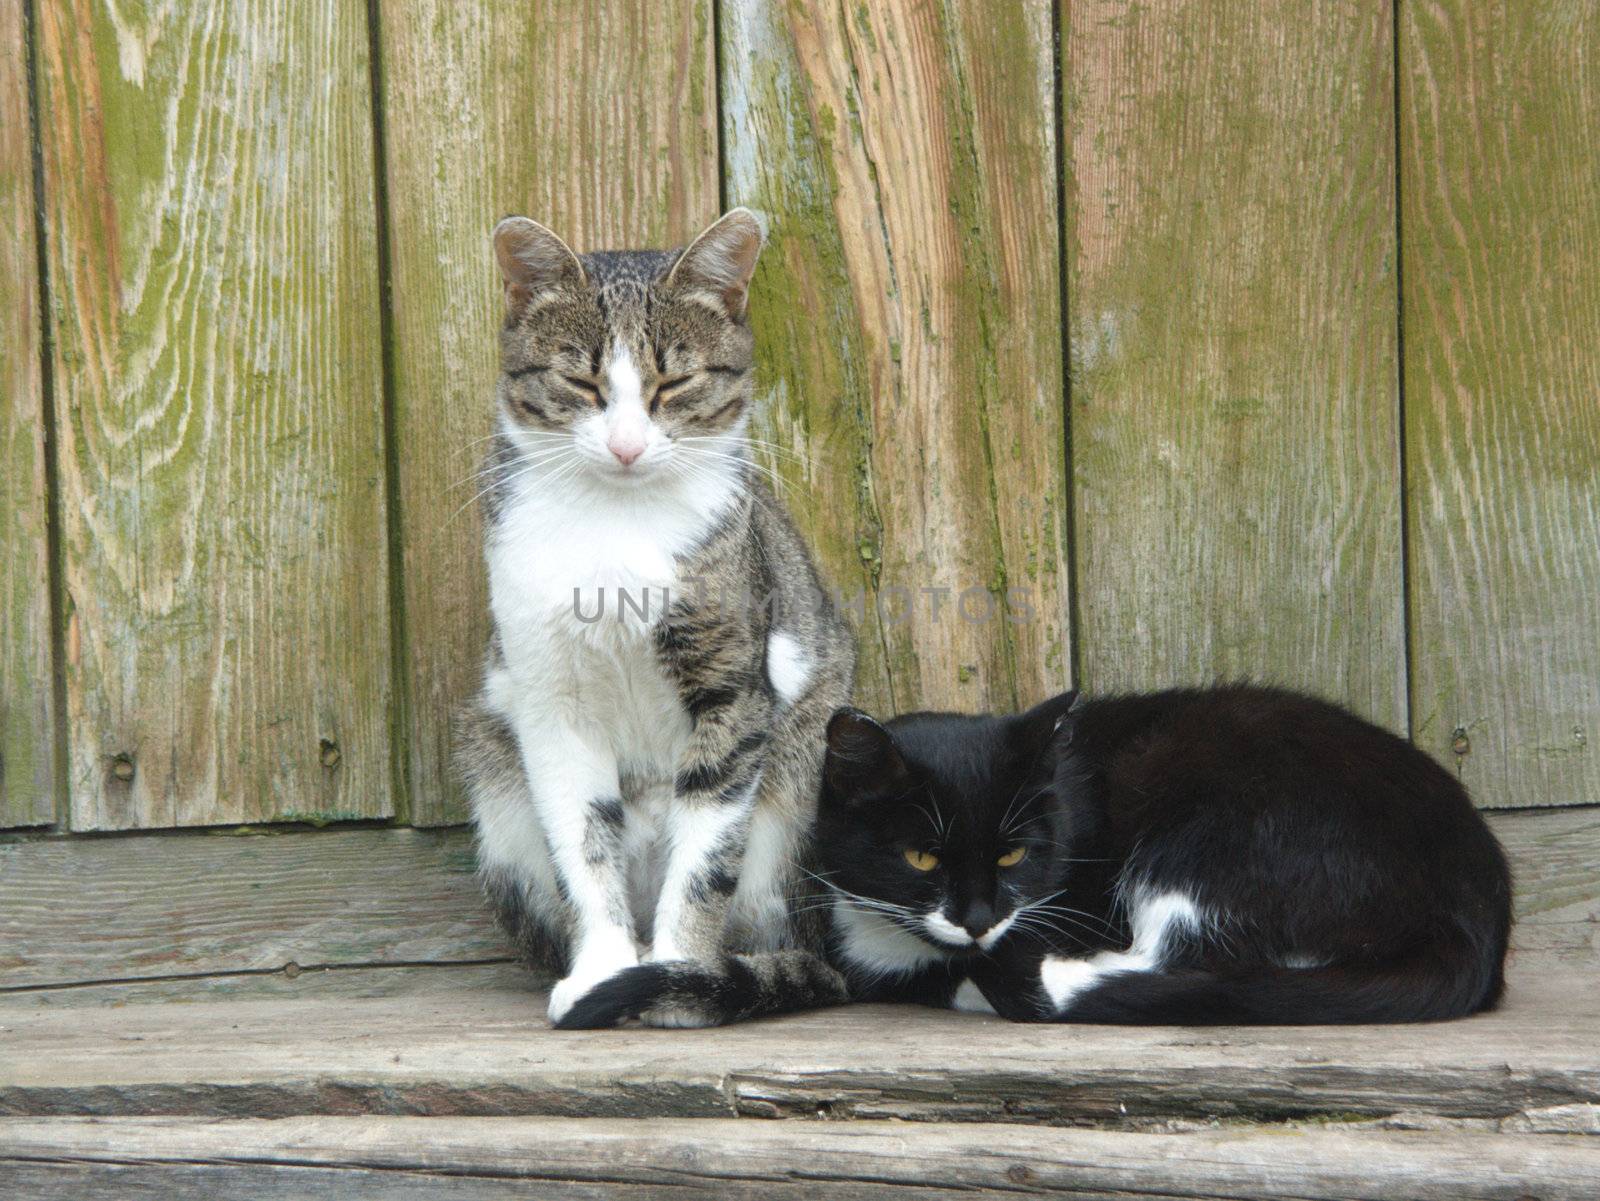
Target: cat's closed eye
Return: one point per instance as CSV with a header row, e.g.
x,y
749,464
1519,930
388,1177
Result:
x,y
923,861
587,388
671,386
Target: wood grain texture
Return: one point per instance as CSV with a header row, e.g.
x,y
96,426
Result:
x,y
907,316
1232,300
598,120
27,738
73,911
487,1050
349,983
1500,179
213,260
503,1157
1555,864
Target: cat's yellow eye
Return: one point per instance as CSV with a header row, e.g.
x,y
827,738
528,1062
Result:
x,y
921,860
1013,857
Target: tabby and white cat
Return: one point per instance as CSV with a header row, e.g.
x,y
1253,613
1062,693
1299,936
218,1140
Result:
x,y
643,760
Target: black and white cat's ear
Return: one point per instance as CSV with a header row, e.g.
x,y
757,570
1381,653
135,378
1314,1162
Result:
x,y
1049,722
532,259
862,760
722,260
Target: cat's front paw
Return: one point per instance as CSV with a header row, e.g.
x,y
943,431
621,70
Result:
x,y
584,976
681,1013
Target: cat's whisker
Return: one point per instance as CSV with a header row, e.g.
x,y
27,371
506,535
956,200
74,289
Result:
x,y
778,482
938,829
497,469
514,477
1005,826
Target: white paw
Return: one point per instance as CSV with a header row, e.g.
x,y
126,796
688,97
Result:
x,y
1063,979
585,974
969,998
676,1017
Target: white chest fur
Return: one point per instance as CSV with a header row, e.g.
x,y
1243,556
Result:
x,y
578,578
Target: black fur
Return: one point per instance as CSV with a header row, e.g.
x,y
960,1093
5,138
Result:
x,y
1304,834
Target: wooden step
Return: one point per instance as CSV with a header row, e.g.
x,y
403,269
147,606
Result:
x,y
475,1042
470,1158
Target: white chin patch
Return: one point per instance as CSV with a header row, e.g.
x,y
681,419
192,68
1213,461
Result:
x,y
945,931
996,932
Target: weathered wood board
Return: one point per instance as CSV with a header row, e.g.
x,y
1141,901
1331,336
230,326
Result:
x,y
27,730
351,984
478,1050
1555,863
907,316
504,1157
599,120
217,363
75,911
84,910
1500,186
1232,296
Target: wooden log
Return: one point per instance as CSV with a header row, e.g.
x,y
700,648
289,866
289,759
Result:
x,y
74,911
503,1157
1500,183
907,317
27,726
1232,298
486,1049
217,363
596,119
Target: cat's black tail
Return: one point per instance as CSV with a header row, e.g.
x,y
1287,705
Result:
x,y
736,989
1434,987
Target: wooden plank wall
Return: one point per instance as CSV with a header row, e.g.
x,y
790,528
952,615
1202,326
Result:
x,y
1231,250
1500,182
27,731
209,195
608,135
907,156
1325,275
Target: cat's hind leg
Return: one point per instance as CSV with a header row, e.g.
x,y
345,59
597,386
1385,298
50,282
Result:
x,y
1160,981
1161,923
513,857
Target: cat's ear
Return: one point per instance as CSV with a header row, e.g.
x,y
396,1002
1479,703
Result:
x,y
1049,722
862,760
721,261
532,260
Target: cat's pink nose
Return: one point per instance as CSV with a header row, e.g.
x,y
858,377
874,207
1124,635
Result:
x,y
626,451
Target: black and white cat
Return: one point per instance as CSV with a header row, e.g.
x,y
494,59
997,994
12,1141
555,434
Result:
x,y
643,760
1226,855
